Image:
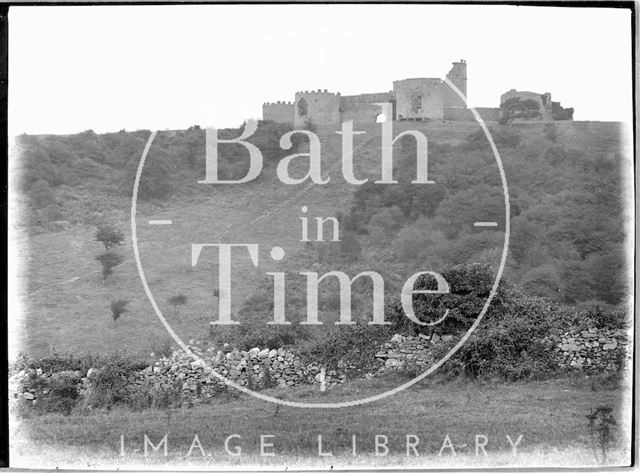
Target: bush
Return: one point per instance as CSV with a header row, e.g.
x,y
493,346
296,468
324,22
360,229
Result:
x,y
420,241
150,395
109,236
109,384
350,349
469,287
118,308
176,301
57,388
518,341
155,180
109,261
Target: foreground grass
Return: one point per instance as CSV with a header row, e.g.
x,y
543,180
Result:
x,y
549,415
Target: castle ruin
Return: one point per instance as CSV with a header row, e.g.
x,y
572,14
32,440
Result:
x,y
412,99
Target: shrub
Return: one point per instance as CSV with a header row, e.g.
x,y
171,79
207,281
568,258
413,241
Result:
x,y
350,349
511,343
57,388
420,241
109,236
601,315
469,287
109,261
176,301
602,428
155,180
151,395
118,308
109,385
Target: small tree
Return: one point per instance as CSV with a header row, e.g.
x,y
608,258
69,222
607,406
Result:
x,y
109,261
176,301
601,427
109,236
118,308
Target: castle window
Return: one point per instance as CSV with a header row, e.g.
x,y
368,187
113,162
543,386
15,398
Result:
x,y
302,107
416,105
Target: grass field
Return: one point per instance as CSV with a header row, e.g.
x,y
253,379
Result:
x,y
63,304
549,415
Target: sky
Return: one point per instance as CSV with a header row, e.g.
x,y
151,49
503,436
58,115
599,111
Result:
x,y
108,68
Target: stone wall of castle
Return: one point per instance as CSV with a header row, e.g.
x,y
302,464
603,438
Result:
x,y
419,99
362,108
457,114
321,107
280,112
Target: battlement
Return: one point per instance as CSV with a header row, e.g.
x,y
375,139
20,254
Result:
x,y
322,92
279,102
280,111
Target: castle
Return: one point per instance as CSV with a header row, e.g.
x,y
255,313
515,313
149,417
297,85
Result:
x,y
412,99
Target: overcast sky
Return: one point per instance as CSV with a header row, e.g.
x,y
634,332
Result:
x,y
154,67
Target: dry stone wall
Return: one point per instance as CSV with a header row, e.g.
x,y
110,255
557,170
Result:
x,y
591,351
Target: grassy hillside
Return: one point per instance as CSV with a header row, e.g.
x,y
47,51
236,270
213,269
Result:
x,y
64,300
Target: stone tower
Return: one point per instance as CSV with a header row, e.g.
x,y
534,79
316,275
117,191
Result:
x,y
458,76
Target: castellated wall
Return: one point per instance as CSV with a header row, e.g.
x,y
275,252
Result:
x,y
280,112
321,107
362,108
419,98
